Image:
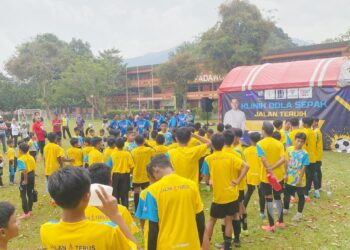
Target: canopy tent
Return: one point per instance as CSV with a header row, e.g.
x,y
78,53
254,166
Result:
x,y
270,91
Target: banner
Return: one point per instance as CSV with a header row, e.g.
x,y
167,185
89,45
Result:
x,y
330,105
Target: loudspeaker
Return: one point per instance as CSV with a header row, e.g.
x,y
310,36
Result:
x,y
207,104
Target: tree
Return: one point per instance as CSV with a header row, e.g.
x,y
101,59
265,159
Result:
x,y
238,38
79,48
278,40
40,62
180,69
344,37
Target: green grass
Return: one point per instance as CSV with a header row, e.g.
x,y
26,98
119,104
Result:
x,y
325,224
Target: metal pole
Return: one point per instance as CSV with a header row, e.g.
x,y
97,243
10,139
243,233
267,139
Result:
x,y
152,89
138,86
126,88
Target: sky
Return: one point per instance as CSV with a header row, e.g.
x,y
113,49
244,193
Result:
x,y
137,27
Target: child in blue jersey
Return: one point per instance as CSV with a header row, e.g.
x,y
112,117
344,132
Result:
x,y
123,124
142,125
172,121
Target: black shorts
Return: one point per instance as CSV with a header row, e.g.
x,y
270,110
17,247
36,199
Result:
x,y
267,189
219,211
241,196
141,185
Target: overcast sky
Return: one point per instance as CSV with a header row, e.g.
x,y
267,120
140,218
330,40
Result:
x,y
140,26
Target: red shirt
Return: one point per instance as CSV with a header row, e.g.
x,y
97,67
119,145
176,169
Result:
x,y
38,130
56,125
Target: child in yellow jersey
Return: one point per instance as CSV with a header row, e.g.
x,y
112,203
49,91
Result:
x,y
278,124
226,172
70,188
174,143
253,175
121,164
152,142
168,197
310,147
319,151
53,155
296,161
75,153
11,156
110,149
142,157
95,155
9,225
185,159
160,148
271,153
86,150
290,140
101,174
26,166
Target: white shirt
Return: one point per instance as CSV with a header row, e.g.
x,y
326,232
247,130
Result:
x,y
14,129
236,118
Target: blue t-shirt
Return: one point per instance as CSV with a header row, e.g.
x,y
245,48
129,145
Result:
x,y
122,125
182,120
114,124
159,119
172,122
142,126
168,138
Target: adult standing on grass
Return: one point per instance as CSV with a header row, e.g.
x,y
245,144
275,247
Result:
x,y
38,129
3,129
80,124
57,125
15,131
65,126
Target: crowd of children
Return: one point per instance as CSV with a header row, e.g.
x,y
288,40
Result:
x,y
163,168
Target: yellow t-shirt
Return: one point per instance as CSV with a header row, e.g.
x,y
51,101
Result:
x,y
168,198
238,152
292,135
142,157
222,168
272,150
26,163
64,122
255,165
77,155
161,149
310,144
173,145
86,150
94,214
319,144
95,156
185,161
107,153
151,143
194,142
283,135
84,234
11,154
51,154
121,162
140,215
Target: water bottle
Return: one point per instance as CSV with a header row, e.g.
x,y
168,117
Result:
x,y
329,190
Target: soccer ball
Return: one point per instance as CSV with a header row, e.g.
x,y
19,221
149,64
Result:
x,y
342,145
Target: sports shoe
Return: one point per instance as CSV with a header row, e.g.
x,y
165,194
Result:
x,y
219,245
237,243
268,228
297,217
280,225
245,232
24,216
317,195
293,199
307,199
262,216
285,211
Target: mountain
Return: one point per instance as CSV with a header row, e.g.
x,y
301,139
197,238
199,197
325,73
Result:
x,y
150,58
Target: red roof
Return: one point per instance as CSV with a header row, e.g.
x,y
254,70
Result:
x,y
308,73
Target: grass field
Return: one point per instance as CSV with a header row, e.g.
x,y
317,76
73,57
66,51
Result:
x,y
325,224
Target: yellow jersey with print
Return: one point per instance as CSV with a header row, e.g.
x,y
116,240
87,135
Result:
x,y
152,143
222,168
319,144
11,154
94,214
296,160
185,160
290,140
236,152
142,157
121,162
255,165
141,216
310,144
161,149
272,150
168,198
51,154
86,150
77,155
193,142
107,153
26,163
84,234
173,145
95,156
283,135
